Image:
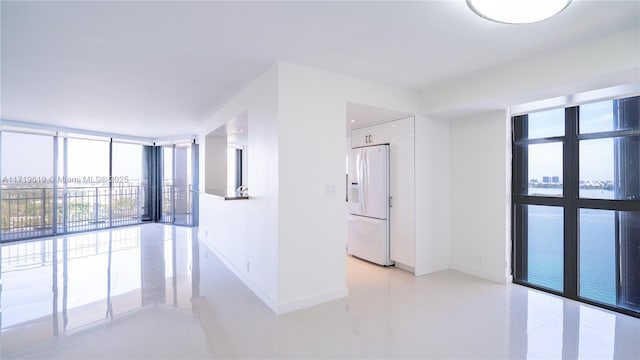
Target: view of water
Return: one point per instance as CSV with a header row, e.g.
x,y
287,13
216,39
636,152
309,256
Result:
x,y
596,254
546,249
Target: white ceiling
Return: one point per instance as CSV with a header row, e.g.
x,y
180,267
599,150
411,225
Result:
x,y
360,115
159,68
237,126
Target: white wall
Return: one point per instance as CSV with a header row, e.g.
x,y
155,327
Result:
x,y
311,158
244,233
480,195
432,178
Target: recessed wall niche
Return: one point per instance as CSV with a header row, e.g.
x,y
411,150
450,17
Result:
x,y
226,157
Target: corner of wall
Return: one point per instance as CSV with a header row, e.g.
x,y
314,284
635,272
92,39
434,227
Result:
x,y
309,301
257,290
223,224
481,273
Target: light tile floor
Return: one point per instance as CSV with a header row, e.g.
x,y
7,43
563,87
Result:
x,y
153,291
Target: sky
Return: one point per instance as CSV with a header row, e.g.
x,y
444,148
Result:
x,y
596,156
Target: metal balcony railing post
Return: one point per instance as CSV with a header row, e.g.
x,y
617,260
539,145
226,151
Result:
x,y
65,210
96,207
173,203
43,208
137,202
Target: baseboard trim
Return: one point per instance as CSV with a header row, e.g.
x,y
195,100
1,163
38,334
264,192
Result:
x,y
422,272
404,267
266,299
275,306
309,301
479,272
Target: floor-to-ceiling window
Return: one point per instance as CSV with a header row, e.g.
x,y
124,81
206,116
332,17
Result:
x,y
183,182
126,183
179,199
86,184
576,202
26,165
55,183
168,190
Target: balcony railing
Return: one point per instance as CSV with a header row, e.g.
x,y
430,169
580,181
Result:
x,y
182,196
28,212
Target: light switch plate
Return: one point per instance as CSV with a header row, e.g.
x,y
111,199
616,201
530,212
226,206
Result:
x,y
330,189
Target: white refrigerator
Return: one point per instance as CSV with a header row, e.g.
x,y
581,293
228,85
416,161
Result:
x,y
369,201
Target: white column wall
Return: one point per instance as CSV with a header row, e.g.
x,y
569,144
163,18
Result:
x,y
480,195
244,233
432,172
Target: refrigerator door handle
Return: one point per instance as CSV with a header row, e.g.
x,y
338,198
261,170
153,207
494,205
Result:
x,y
361,180
365,183
358,184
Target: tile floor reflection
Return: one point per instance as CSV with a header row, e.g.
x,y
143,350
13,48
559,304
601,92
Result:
x,y
153,291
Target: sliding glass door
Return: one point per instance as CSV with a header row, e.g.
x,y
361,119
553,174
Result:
x,y
168,190
179,195
127,195
183,184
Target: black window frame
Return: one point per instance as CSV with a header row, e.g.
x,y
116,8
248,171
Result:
x,y
570,201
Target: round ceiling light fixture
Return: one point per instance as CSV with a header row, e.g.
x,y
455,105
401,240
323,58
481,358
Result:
x,y
517,11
